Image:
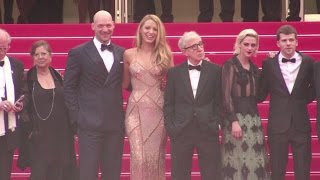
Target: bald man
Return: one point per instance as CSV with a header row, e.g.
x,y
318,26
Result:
x,y
93,95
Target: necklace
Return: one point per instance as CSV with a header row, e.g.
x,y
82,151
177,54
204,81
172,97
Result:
x,y
35,107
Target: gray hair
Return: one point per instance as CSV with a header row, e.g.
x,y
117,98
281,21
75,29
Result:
x,y
187,36
4,33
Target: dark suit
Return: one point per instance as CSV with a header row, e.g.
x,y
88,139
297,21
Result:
x,y
317,89
94,100
193,123
249,10
288,122
10,140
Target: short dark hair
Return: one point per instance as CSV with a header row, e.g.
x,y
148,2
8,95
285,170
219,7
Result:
x,y
39,43
286,29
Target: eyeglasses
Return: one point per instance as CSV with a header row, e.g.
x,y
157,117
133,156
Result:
x,y
3,49
195,46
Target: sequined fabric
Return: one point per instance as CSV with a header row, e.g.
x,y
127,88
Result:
x,y
144,124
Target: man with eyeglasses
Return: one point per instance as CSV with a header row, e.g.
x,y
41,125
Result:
x,y
11,73
191,111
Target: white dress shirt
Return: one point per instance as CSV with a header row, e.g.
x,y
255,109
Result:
x,y
106,55
290,70
2,83
194,78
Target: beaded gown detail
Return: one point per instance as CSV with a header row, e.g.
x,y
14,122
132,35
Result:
x,y
144,123
244,158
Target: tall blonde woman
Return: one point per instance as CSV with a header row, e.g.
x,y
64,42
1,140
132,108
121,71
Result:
x,y
243,146
145,67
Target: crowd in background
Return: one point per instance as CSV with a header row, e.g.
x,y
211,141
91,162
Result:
x,y
49,11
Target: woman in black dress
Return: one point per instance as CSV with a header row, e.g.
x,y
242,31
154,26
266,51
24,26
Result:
x,y
243,146
52,145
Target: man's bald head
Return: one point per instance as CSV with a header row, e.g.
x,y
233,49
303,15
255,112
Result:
x,y
103,26
102,14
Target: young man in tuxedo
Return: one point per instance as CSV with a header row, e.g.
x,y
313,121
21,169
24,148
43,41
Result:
x,y
191,111
288,79
11,85
93,94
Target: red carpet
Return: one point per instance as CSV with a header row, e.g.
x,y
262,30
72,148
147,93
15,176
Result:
x,y
219,39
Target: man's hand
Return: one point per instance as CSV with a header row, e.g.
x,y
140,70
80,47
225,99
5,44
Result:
x,y
6,106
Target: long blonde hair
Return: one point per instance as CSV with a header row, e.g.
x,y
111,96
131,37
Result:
x,y
161,50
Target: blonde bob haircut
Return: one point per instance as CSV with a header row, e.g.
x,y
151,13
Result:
x,y
161,49
241,36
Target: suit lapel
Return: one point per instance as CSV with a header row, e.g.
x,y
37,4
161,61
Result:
x,y
186,78
299,75
93,53
203,78
278,73
116,62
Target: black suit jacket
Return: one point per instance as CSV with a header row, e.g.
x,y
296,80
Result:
x,y
317,89
286,108
93,95
180,106
13,139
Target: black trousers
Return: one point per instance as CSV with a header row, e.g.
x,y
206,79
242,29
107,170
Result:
x,y
6,156
144,7
93,6
250,10
208,149
300,143
104,149
227,10
46,11
206,8
294,10
318,6
8,9
272,10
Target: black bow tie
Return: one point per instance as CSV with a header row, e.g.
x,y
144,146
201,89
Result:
x,y
284,60
107,47
198,67
1,63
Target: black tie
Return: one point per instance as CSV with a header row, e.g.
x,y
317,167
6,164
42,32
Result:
x,y
107,47
284,60
1,63
198,67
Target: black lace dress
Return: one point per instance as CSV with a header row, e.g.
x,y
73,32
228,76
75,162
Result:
x,y
244,158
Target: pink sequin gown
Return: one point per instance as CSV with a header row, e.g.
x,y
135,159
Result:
x,y
144,124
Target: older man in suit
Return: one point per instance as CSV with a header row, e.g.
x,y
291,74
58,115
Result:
x,y
93,94
11,73
191,111
288,79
